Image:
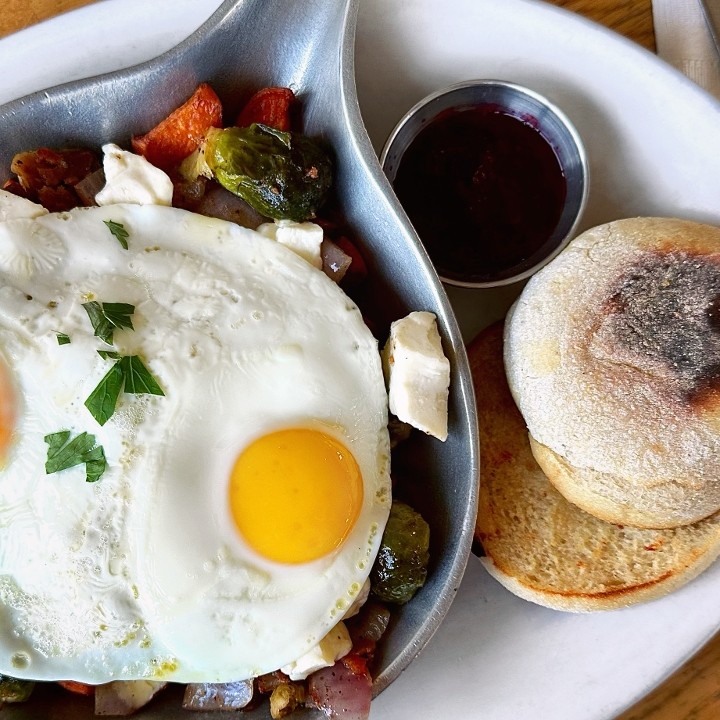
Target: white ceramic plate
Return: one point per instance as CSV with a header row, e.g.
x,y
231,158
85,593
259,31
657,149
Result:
x,y
654,146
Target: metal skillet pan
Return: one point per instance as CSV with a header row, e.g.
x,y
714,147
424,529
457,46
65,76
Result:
x,y
308,45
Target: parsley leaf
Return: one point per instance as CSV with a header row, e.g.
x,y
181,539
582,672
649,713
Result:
x,y
63,339
103,399
81,449
119,231
95,464
106,317
128,374
55,442
108,354
138,379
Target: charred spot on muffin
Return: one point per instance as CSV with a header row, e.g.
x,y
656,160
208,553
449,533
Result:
x,y
664,313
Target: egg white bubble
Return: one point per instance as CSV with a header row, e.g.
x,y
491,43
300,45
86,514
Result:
x,y
143,574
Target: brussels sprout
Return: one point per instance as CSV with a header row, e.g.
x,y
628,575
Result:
x,y
401,565
14,691
282,175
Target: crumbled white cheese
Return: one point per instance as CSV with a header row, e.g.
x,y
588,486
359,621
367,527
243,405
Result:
x,y
332,647
13,206
122,697
417,373
302,238
130,178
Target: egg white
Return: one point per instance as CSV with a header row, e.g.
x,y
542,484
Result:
x,y
143,574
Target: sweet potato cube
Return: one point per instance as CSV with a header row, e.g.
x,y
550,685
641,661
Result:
x,y
269,106
181,132
77,687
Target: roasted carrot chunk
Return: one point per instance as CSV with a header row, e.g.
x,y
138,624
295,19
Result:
x,y
181,132
77,687
269,106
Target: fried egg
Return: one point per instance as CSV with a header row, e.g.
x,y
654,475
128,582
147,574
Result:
x,y
240,512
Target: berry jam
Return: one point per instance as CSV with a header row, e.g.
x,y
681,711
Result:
x,y
483,189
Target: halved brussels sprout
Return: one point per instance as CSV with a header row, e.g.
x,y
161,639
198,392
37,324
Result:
x,y
401,565
282,175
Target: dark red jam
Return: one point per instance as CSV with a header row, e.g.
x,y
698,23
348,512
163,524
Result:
x,y
483,189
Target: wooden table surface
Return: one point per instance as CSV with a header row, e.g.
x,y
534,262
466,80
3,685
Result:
x,y
693,692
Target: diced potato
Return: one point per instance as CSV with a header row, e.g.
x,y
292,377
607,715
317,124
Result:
x,y
285,698
124,697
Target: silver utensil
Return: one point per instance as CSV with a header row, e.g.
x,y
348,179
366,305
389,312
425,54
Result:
x,y
307,45
711,8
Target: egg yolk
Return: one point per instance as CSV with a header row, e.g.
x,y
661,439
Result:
x,y
7,412
295,494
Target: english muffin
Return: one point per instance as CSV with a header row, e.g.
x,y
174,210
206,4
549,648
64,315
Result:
x,y
612,354
546,549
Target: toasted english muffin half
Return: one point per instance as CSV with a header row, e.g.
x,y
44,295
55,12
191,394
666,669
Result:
x,y
613,357
544,548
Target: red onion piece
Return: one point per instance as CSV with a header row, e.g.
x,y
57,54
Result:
x,y
210,697
343,690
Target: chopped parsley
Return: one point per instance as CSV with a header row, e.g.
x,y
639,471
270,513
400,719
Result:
x,y
138,379
63,339
118,230
128,373
106,317
102,400
109,354
64,453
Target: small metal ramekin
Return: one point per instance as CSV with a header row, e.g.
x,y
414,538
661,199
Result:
x,y
546,118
